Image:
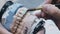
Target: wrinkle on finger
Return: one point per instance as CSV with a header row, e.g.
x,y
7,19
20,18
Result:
x,y
48,1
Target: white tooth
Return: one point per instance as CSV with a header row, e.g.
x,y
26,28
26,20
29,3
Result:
x,y
15,27
13,30
20,15
18,19
18,31
17,22
20,27
22,10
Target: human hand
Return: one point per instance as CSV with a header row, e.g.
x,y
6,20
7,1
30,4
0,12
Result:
x,y
50,11
51,1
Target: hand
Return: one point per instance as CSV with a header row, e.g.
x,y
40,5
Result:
x,y
47,1
50,11
51,1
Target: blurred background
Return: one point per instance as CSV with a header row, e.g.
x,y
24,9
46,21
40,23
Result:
x,y
30,3
26,3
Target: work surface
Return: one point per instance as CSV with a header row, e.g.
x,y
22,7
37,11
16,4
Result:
x,y
50,26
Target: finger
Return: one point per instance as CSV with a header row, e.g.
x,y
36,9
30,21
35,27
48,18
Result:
x,y
58,1
51,10
48,1
39,14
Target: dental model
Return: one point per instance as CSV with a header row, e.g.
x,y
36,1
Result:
x,y
25,23
18,20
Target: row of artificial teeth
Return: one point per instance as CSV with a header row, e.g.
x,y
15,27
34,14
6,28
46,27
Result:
x,y
18,20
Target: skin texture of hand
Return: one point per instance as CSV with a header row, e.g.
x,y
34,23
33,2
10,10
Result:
x,y
50,1
50,11
47,1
